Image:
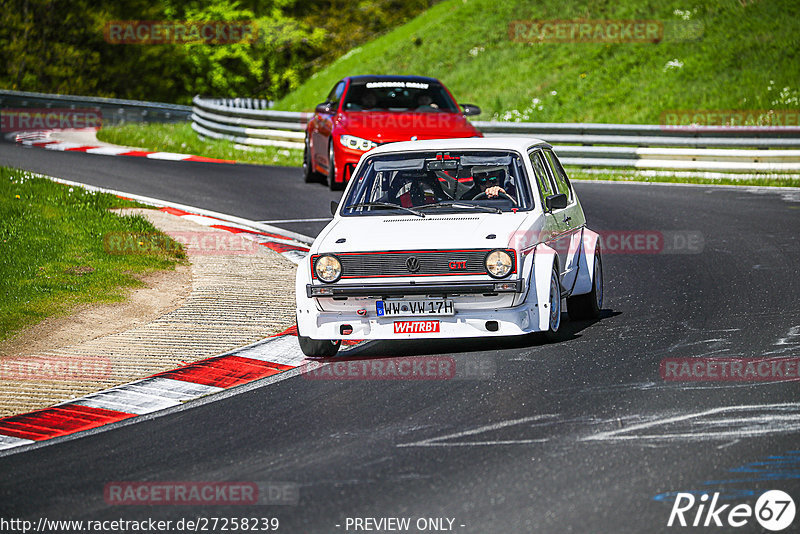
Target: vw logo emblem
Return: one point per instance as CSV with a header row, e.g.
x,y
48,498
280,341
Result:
x,y
413,137
412,264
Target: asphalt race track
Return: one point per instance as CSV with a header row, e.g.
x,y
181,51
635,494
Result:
x,y
582,435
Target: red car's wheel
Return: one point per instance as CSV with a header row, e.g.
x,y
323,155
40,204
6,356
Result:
x,y
331,179
309,174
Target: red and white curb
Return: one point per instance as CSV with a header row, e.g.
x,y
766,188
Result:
x,y
284,245
42,140
277,355
273,356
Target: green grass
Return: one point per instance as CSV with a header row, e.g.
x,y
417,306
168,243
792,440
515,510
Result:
x,y
741,58
179,137
52,250
733,57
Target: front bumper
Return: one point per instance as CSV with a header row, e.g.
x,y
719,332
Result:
x,y
424,288
346,161
513,321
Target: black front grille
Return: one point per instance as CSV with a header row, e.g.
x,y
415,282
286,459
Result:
x,y
413,263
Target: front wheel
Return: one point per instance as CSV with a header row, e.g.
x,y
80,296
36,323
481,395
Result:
x,y
554,307
319,348
588,306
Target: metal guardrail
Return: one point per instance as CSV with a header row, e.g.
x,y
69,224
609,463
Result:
x,y
250,122
114,110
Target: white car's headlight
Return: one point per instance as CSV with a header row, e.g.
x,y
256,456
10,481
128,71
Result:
x,y
357,143
499,263
328,268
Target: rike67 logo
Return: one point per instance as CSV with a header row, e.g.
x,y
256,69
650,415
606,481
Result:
x,y
774,511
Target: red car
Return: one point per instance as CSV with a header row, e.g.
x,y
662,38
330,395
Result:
x,y
362,112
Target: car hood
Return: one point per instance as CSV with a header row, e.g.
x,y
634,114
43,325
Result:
x,y
387,127
446,231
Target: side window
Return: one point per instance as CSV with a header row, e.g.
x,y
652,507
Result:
x,y
545,188
562,182
336,93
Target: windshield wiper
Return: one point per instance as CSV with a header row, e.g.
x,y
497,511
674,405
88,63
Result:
x,y
386,205
458,205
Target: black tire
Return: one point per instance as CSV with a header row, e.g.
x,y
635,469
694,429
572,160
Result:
x,y
588,306
554,307
309,175
331,177
319,348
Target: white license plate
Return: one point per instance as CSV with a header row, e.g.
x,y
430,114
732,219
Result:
x,y
405,308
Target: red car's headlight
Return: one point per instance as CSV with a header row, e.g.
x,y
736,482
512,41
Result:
x,y
357,143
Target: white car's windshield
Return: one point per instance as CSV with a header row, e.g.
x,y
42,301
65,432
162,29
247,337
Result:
x,y
439,182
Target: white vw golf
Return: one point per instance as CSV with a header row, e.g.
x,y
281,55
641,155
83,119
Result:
x,y
450,238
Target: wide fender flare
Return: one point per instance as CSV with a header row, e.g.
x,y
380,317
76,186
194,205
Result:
x,y
306,307
590,245
539,293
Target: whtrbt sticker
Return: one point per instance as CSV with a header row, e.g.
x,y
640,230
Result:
x,y
416,327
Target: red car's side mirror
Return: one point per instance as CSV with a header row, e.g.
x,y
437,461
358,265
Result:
x,y
325,107
470,109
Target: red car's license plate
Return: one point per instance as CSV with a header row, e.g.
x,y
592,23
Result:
x,y
416,327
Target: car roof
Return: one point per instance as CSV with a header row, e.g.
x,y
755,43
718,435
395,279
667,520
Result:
x,y
390,78
519,144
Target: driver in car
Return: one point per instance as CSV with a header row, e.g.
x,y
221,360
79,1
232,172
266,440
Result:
x,y
486,180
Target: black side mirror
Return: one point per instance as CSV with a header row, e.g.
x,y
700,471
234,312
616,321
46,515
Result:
x,y
325,107
556,202
334,207
470,109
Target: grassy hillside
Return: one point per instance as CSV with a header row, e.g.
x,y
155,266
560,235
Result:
x,y
716,54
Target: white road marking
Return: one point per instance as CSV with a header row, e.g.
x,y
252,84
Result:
x,y
276,221
171,156
7,442
108,150
703,426
123,399
63,146
170,388
146,396
792,338
437,442
247,223
284,350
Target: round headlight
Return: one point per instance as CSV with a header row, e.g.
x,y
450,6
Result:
x,y
328,268
499,263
